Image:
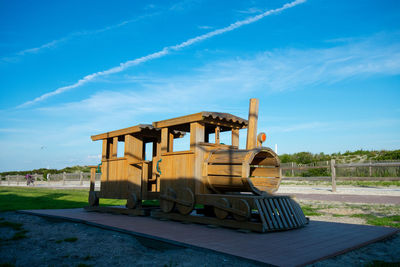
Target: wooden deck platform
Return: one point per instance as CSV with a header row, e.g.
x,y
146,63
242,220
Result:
x,y
316,241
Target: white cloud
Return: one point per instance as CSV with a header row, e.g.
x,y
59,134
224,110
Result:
x,y
161,53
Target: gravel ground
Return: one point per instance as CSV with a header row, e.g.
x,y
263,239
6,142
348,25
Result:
x,y
52,242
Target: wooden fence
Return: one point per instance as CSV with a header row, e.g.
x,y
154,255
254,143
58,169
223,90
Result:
x,y
78,179
334,171
333,168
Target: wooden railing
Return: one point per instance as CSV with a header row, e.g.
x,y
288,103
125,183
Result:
x,y
333,168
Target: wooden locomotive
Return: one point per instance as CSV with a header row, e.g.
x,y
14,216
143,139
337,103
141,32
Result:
x,y
211,183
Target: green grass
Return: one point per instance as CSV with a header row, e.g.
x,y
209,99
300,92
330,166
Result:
x,y
369,183
310,211
393,221
19,198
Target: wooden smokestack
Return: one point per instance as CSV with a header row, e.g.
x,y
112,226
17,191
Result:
x,y
252,128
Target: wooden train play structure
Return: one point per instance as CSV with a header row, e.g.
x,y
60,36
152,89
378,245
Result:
x,y
211,183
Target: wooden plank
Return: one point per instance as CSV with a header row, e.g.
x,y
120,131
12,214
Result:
x,y
299,212
217,131
263,211
252,226
133,148
286,213
120,210
92,178
179,120
114,153
235,137
251,141
104,155
296,222
129,130
228,157
227,183
374,164
270,211
164,140
281,214
264,172
229,170
273,207
170,141
197,132
261,214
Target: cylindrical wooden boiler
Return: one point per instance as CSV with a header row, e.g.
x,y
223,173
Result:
x,y
256,170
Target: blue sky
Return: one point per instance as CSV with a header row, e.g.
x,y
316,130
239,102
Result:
x,y
327,73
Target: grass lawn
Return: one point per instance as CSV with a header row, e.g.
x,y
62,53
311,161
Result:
x,y
20,198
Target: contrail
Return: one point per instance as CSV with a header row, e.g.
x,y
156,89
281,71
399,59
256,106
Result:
x,y
161,53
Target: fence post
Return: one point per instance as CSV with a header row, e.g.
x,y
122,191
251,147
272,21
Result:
x,y
333,172
63,178
370,169
292,169
81,178
48,178
8,179
17,179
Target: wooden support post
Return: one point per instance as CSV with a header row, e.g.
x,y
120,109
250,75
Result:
x,y
114,150
164,140
235,137
8,179
170,141
104,151
81,178
333,172
63,177
145,177
252,128
48,178
217,131
196,136
17,179
92,178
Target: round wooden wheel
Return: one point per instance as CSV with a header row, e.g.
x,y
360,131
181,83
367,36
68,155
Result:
x,y
220,213
187,196
132,201
242,206
93,199
167,205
